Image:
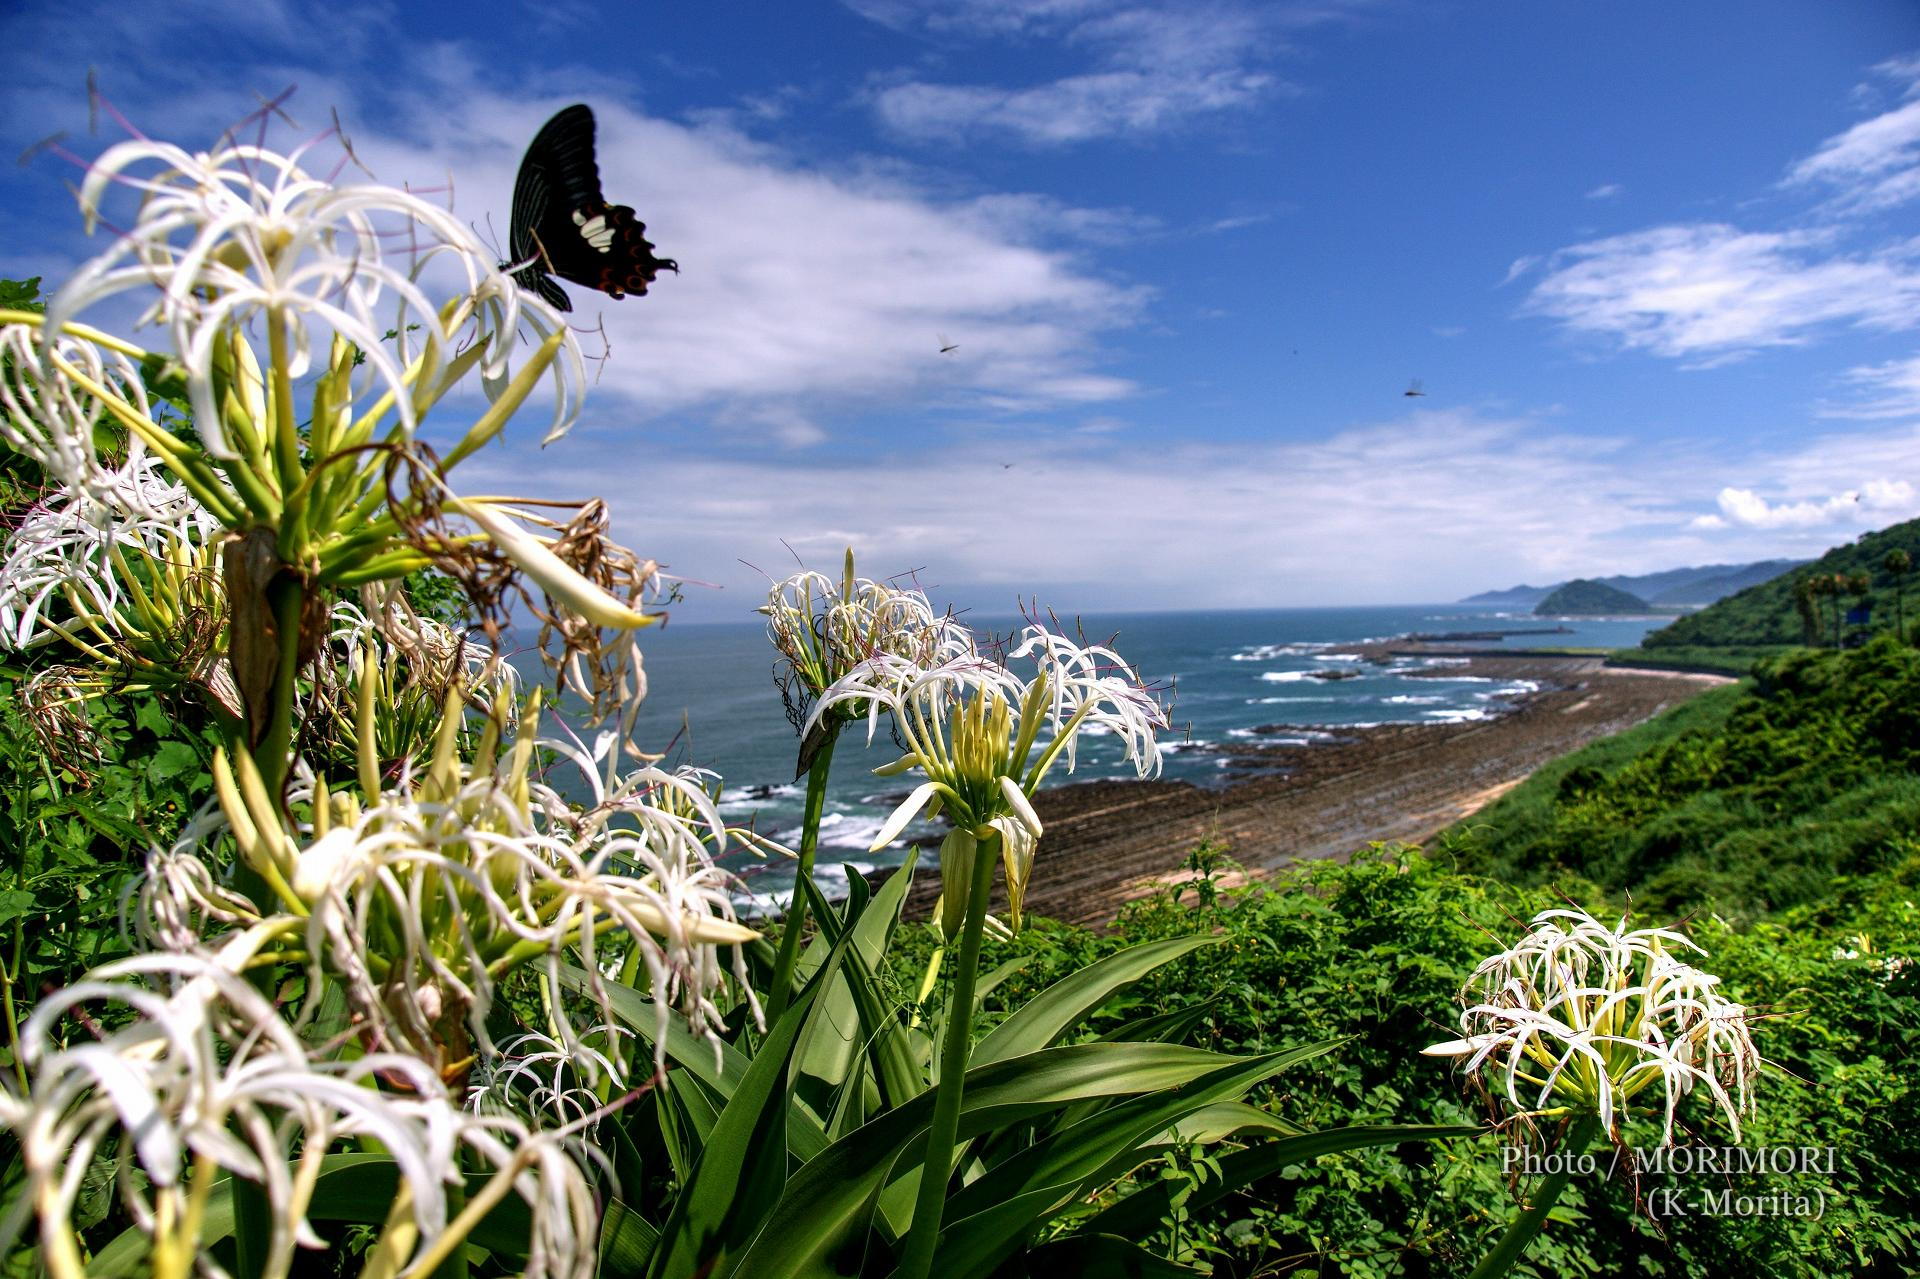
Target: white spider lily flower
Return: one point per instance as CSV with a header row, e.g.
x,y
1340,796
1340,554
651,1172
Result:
x,y
1581,1018
51,405
549,1082
245,231
176,904
78,545
536,882
203,1075
1093,683
985,739
823,628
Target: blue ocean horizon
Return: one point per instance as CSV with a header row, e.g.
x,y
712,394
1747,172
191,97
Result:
x,y
712,702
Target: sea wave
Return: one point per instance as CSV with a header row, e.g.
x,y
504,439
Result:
x,y
737,797
1274,652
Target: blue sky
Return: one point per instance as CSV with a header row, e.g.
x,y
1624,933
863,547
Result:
x,y
1656,266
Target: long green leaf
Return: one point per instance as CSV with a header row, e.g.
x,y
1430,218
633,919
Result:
x,y
886,1039
834,1038
1229,1119
627,1241
1168,1027
992,1217
1140,1211
828,1202
744,1163
1059,1007
806,1136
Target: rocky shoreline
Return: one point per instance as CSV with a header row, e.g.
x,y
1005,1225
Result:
x,y
1109,841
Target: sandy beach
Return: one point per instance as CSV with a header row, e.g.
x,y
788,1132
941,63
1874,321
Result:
x,y
1107,842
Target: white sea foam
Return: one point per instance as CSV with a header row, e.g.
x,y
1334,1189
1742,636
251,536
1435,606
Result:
x,y
1459,714
847,830
1273,652
1285,677
1515,689
737,797
1411,699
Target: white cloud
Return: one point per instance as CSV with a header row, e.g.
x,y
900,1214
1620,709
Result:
x,y
1875,502
1606,192
1709,292
1888,390
1713,290
1520,266
1149,68
1876,163
1430,505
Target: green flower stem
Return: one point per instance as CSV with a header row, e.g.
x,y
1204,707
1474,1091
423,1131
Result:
x,y
1520,1234
273,756
8,976
937,1165
782,991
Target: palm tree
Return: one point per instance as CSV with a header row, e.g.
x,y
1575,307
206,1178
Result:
x,y
1822,586
1898,564
1806,602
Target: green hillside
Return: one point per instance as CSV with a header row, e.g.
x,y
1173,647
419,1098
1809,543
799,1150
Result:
x,y
1584,597
1751,799
1769,614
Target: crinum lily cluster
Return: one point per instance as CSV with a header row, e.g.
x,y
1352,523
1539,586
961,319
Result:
x,y
985,739
223,499
824,630
421,901
1582,1020
203,1080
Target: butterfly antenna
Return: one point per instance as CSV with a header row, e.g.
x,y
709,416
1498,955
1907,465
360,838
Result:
x,y
491,237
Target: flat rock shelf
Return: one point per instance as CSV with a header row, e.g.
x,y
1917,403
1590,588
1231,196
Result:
x,y
1108,842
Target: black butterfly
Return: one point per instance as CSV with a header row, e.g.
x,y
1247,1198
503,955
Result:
x,y
563,226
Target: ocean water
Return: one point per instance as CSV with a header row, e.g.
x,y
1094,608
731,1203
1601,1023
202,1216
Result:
x,y
1227,675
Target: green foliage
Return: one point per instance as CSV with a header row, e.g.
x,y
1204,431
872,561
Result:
x,y
1767,614
1376,949
1746,799
1584,596
78,822
1734,660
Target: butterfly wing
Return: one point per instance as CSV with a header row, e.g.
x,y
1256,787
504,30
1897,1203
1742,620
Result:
x,y
548,183
563,225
